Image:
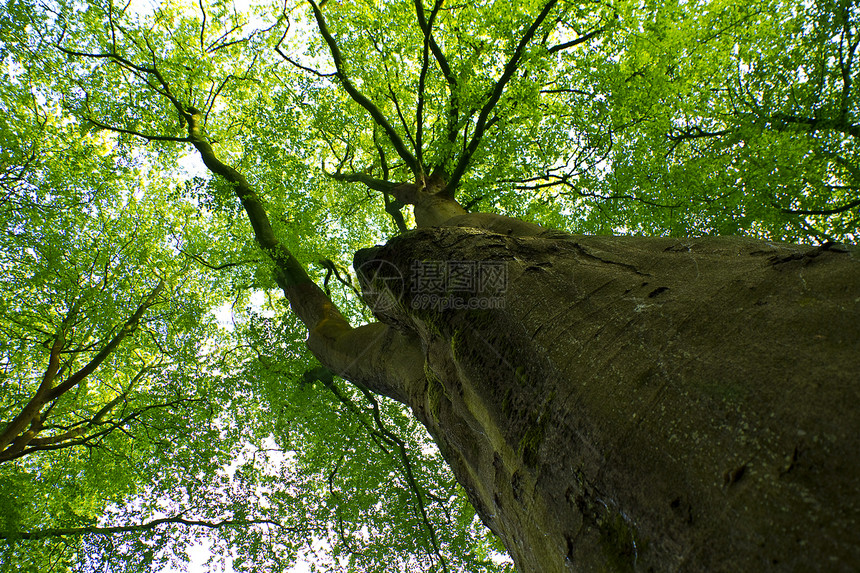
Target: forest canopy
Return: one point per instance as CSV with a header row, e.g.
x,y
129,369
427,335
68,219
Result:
x,y
157,392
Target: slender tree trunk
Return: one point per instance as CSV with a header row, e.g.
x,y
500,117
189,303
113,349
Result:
x,y
638,404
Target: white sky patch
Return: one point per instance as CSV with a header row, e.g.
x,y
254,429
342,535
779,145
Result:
x,y
191,165
198,555
226,317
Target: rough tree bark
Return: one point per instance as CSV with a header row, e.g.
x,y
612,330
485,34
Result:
x,y
642,403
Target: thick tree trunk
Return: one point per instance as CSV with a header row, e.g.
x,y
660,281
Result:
x,y
640,404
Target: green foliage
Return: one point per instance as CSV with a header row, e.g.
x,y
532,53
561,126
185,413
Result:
x,y
721,124
86,237
673,118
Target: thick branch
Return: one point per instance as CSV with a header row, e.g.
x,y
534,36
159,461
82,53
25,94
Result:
x,y
387,188
833,211
576,42
88,439
291,272
128,328
846,61
371,354
427,28
392,207
693,132
148,526
371,182
146,136
361,99
293,62
14,433
307,300
15,428
696,132
202,25
781,120
492,100
85,425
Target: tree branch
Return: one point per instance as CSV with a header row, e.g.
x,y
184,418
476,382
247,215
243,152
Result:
x,y
202,25
387,188
221,267
295,63
690,133
834,211
392,207
846,63
403,122
142,72
128,328
88,440
146,136
357,354
427,28
327,378
148,526
95,420
14,439
360,98
492,100
696,132
361,354
576,42
14,432
331,269
371,182
553,180
407,469
842,125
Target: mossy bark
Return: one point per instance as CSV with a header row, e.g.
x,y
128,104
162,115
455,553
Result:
x,y
643,404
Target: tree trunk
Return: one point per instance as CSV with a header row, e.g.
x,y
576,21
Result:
x,y
639,403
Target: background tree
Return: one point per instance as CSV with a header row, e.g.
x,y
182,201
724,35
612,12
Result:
x,y
109,348
593,118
